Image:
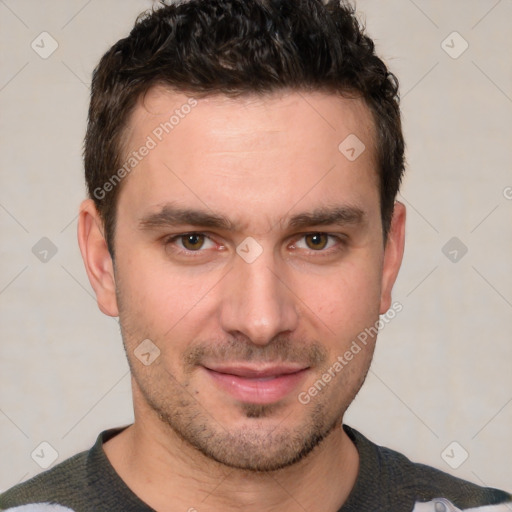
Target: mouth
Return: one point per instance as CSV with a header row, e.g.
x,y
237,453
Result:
x,y
262,384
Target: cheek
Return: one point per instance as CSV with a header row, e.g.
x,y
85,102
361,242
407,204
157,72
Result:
x,y
170,306
346,301
157,289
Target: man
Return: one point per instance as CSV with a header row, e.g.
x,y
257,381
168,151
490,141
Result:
x,y
243,159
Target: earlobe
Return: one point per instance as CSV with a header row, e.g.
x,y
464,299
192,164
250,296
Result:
x,y
393,254
97,260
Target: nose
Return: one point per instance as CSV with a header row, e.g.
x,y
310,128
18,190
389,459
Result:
x,y
257,301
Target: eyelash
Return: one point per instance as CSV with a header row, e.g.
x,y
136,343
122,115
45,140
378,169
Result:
x,y
341,243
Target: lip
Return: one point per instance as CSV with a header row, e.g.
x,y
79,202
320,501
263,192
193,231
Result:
x,y
257,384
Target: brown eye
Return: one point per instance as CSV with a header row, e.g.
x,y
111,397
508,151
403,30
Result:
x,y
192,241
316,241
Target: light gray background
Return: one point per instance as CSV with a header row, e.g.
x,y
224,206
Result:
x,y
442,370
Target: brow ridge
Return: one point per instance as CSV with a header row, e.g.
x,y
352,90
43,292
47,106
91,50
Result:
x,y
170,215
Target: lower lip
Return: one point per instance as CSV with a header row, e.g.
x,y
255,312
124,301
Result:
x,y
258,391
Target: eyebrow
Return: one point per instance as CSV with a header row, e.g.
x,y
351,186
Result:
x,y
170,215
340,215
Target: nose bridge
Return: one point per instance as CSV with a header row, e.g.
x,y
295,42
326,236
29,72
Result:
x,y
257,303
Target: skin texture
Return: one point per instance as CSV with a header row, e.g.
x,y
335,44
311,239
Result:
x,y
257,162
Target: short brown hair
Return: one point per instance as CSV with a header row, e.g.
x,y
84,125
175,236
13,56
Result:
x,y
237,47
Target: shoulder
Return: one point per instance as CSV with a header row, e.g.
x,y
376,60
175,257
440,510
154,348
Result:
x,y
419,487
39,507
84,482
436,491
44,491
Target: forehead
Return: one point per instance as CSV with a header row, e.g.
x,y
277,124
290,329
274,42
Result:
x,y
251,151
160,111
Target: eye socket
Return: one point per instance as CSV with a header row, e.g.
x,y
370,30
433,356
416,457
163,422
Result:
x,y
195,242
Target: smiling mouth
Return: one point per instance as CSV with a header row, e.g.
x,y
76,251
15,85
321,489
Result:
x,y
257,384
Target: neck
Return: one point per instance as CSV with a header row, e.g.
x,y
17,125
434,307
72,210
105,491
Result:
x,y
169,474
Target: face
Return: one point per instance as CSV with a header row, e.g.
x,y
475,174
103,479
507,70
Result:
x,y
249,252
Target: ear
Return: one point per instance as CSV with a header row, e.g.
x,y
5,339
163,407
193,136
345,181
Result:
x,y
393,253
97,260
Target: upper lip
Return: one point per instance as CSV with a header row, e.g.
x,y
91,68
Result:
x,y
248,371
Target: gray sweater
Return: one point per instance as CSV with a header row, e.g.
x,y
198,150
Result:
x,y
387,482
